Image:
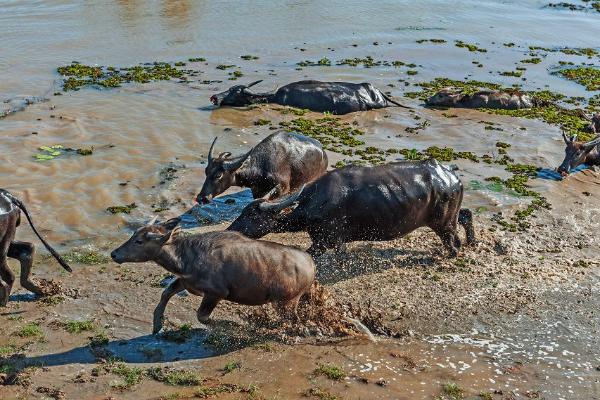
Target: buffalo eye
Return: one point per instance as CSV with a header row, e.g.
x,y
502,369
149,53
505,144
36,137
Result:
x,y
219,175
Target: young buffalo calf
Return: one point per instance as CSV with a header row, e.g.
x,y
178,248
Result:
x,y
221,266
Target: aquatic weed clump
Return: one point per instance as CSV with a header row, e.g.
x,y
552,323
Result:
x,y
78,75
465,87
586,76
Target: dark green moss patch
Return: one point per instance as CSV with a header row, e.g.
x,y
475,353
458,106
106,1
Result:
x,y
197,59
224,66
249,57
261,122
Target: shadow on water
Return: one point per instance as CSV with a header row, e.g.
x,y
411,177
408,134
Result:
x,y
142,349
550,174
221,209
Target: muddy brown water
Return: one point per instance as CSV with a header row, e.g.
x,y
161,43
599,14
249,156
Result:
x,y
139,130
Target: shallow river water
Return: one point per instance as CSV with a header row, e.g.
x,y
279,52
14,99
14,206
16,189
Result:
x,y
155,124
140,131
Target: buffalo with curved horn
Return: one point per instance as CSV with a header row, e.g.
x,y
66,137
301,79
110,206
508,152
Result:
x,y
577,153
280,163
334,97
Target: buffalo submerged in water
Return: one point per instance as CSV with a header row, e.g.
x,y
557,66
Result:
x,y
366,203
334,97
495,99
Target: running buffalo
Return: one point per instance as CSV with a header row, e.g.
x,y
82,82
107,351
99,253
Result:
x,y
280,163
366,203
577,153
334,97
452,97
221,266
10,219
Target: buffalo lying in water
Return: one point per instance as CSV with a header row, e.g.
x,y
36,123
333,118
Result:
x,y
334,97
577,153
10,218
280,163
220,266
451,97
366,203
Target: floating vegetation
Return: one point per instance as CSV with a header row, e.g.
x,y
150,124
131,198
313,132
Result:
x,y
586,76
249,57
224,66
197,59
235,75
465,87
534,60
48,153
126,209
79,75
516,74
470,47
437,41
453,391
366,62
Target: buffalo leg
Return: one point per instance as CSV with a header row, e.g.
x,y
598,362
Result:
x,y
23,251
7,278
159,312
289,309
206,308
450,239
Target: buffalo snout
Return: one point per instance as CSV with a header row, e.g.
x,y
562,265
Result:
x,y
201,199
214,100
115,257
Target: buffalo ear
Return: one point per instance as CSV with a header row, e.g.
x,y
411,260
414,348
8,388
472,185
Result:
x,y
171,235
171,223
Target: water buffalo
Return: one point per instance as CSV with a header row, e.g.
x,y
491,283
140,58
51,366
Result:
x,y
366,203
334,97
10,219
220,266
280,163
452,97
577,153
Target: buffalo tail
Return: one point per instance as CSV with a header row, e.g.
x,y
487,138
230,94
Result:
x,y
60,260
388,98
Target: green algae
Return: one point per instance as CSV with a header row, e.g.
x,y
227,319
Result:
x,y
223,67
78,75
126,209
436,41
516,74
88,257
235,75
428,89
586,76
197,59
249,57
534,60
468,46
